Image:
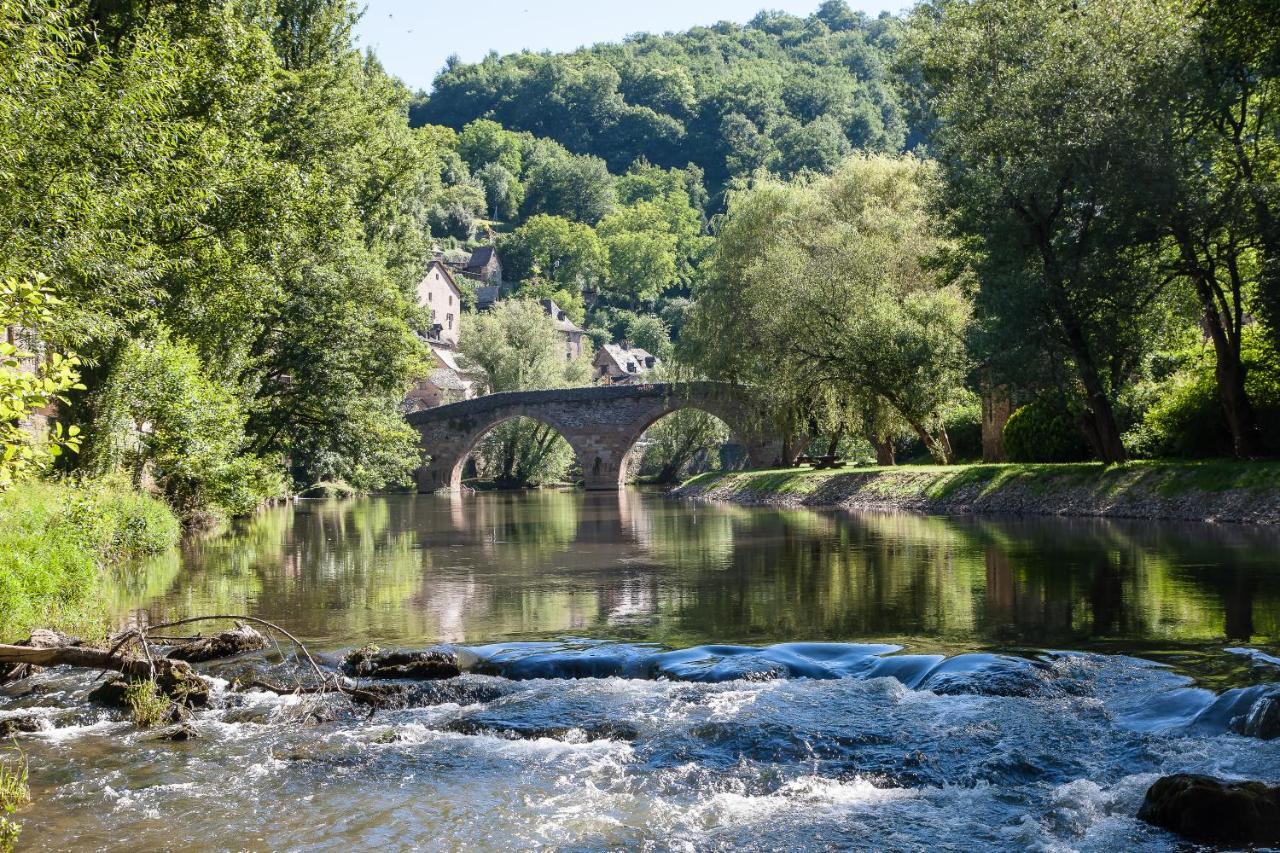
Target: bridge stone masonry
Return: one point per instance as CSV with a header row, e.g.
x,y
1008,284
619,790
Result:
x,y
601,424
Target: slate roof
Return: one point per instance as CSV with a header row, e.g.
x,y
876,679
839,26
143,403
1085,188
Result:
x,y
562,321
630,361
480,259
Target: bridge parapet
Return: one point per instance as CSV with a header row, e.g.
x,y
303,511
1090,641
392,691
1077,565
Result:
x,y
601,424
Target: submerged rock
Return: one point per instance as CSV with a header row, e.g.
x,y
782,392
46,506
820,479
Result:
x,y
1262,720
1203,808
224,645
25,724
426,665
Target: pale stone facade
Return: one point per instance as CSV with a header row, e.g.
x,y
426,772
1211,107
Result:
x,y
439,293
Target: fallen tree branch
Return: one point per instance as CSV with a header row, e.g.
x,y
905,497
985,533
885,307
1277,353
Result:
x,y
167,671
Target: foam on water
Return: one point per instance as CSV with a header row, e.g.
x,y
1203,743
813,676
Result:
x,y
602,745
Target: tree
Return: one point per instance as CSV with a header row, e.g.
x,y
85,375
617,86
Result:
x,y
520,349
483,142
831,283
1239,105
570,254
240,188
502,190
28,385
1043,145
570,186
678,439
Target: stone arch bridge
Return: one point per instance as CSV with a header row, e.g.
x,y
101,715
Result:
x,y
601,424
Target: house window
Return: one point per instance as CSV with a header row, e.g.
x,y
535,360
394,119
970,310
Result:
x,y
451,299
449,320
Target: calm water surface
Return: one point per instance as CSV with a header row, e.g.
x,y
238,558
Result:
x,y
762,679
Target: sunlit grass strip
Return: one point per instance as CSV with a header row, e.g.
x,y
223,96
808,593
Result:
x,y
937,482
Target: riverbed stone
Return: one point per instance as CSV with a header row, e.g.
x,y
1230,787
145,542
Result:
x,y
224,645
1206,809
1263,719
424,665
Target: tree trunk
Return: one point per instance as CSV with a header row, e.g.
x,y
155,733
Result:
x,y
996,409
884,450
1224,330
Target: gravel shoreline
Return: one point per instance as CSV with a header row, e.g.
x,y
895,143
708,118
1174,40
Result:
x,y
1145,493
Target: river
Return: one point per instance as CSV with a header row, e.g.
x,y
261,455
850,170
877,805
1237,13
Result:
x,y
647,673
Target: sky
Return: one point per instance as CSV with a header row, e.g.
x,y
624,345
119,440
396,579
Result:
x,y
414,37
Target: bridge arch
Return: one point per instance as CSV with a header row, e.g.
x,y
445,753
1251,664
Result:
x,y
601,424
467,446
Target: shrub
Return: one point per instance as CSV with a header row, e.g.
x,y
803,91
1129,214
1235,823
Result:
x,y
14,793
161,415
1044,430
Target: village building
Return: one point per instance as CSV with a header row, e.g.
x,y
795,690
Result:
x,y
449,381
484,266
439,293
570,331
619,364
487,295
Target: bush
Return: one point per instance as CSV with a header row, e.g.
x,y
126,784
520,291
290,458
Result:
x,y
56,537
1187,420
1044,431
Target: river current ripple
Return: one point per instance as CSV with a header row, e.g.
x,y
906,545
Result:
x,y
586,745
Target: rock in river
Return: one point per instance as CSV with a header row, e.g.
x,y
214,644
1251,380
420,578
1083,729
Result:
x,y
227,644
1206,809
426,665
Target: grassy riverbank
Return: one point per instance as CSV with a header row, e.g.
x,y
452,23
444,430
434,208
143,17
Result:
x,y
1213,490
56,540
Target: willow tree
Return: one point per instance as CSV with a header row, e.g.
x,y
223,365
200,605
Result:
x,y
520,349
823,297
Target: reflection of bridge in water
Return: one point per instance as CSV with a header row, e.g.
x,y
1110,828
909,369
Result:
x,y
601,425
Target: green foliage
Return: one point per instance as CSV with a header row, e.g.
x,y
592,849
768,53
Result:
x,y
572,186
557,249
14,794
649,333
147,704
244,183
1187,420
28,384
1045,121
682,441
822,296
728,98
964,430
1044,431
55,538
161,418
520,349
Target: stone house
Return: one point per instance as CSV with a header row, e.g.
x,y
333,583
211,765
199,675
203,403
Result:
x,y
449,381
439,293
484,266
619,364
570,331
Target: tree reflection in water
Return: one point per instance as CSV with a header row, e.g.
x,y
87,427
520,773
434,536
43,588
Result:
x,y
416,569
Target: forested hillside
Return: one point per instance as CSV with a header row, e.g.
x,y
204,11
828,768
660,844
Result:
x,y
783,93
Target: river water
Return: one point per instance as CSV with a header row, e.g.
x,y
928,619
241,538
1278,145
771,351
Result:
x,y
646,673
